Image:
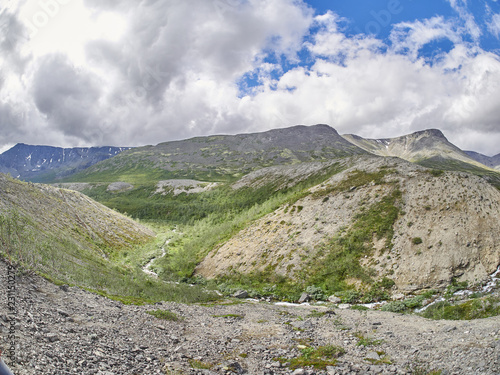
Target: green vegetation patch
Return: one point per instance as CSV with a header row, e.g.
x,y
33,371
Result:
x,y
416,240
196,364
317,357
355,180
164,315
476,308
316,314
366,340
234,316
338,259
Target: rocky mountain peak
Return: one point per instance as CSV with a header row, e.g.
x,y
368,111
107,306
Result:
x,y
430,133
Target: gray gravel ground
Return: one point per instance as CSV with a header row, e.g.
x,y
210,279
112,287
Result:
x,y
61,330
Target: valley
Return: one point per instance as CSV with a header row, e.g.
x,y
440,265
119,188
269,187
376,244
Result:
x,y
289,215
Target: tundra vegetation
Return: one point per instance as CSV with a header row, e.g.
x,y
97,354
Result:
x,y
189,226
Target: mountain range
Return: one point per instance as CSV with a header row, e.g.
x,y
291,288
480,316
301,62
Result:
x,y
47,163
232,156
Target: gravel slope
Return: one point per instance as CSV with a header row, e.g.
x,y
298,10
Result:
x,y
62,330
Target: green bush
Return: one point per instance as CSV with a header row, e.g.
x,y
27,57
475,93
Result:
x,y
414,302
164,315
473,309
416,240
316,293
394,306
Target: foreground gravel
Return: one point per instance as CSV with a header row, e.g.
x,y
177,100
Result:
x,y
66,330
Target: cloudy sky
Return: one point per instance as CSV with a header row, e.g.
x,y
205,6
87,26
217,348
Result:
x,y
136,72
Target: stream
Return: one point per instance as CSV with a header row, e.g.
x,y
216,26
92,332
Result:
x,y
147,268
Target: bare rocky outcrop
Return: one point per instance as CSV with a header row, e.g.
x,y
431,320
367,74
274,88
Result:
x,y
446,227
179,186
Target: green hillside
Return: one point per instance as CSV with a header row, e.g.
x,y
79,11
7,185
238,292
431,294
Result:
x,y
71,239
221,157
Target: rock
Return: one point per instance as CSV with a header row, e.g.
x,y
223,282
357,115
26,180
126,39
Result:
x,y
63,313
52,337
110,338
299,371
334,299
118,186
304,297
344,306
372,355
234,367
241,294
397,296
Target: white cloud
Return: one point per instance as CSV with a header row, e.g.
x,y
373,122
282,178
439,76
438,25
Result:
x,y
471,27
381,94
410,37
171,70
494,25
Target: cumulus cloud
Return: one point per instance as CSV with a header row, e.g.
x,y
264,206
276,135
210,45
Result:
x,y
179,68
377,92
70,101
410,37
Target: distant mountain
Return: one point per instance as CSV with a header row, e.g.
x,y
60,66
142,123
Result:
x,y
489,161
415,147
223,156
46,163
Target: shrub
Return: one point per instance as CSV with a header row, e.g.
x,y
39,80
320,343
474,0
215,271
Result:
x,y
351,296
316,293
416,240
394,306
474,309
414,302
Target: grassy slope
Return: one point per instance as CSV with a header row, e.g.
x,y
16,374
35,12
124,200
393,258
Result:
x,y
78,242
220,158
338,258
209,218
456,165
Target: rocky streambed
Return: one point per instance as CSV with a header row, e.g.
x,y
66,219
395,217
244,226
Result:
x,y
66,330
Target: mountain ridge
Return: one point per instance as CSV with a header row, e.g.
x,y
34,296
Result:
x,y
38,163
489,161
217,157
414,147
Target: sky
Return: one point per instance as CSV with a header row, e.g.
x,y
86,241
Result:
x,y
136,72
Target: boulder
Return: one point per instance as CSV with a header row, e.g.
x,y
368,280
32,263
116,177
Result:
x,y
241,294
304,297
